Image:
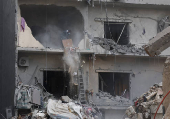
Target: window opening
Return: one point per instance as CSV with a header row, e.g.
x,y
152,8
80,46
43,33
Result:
x,y
117,84
117,31
56,82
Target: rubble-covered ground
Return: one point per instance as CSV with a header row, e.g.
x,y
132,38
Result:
x,y
44,105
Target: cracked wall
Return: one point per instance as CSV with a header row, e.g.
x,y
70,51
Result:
x,y
142,27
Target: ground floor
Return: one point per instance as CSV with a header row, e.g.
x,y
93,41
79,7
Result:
x,y
111,82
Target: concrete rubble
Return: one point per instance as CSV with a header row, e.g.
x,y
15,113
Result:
x,y
106,99
146,103
113,47
50,107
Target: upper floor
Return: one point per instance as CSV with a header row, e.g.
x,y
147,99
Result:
x,y
119,27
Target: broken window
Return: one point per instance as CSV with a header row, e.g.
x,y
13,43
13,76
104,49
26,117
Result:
x,y
56,82
117,31
115,83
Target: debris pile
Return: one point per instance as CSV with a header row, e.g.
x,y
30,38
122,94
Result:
x,y
113,47
106,99
142,105
43,105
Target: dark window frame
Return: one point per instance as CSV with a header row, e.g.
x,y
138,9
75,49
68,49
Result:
x,y
112,30
113,73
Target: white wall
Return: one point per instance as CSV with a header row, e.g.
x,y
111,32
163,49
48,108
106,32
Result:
x,y
141,19
147,71
40,60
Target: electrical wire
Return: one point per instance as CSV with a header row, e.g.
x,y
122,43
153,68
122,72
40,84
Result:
x,y
160,104
2,116
46,41
136,17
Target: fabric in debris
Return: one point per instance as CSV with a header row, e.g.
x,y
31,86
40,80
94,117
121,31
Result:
x,y
22,24
57,109
76,108
23,99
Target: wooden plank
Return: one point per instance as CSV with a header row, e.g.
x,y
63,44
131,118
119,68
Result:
x,y
67,43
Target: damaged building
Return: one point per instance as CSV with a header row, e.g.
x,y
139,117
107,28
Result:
x,y
90,50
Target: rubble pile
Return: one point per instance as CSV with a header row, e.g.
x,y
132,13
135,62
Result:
x,y
113,47
44,105
142,105
105,98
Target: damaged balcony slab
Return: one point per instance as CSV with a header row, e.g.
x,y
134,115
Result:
x,y
108,46
49,50
39,50
136,3
113,47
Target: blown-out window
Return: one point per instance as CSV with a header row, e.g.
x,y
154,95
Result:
x,y
116,31
117,84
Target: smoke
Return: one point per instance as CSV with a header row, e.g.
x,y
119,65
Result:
x,y
72,60
52,36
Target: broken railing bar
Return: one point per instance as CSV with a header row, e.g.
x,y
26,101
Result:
x,y
113,20
51,69
109,70
113,23
121,33
102,81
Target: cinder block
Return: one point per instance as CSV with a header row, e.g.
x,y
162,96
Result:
x,y
153,109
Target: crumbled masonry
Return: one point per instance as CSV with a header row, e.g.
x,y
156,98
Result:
x,y
106,99
144,104
111,46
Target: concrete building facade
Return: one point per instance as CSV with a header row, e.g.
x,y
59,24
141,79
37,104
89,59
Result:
x,y
121,68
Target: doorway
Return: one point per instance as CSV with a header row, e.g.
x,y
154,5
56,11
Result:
x,y
56,82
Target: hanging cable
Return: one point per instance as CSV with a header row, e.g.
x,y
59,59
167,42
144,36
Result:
x,y
46,41
121,33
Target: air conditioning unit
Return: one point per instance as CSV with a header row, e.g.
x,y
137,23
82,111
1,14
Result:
x,y
24,61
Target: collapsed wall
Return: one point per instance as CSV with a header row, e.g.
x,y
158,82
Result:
x,y
50,26
25,37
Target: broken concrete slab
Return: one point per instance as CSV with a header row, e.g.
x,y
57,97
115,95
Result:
x,y
159,43
65,99
113,47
